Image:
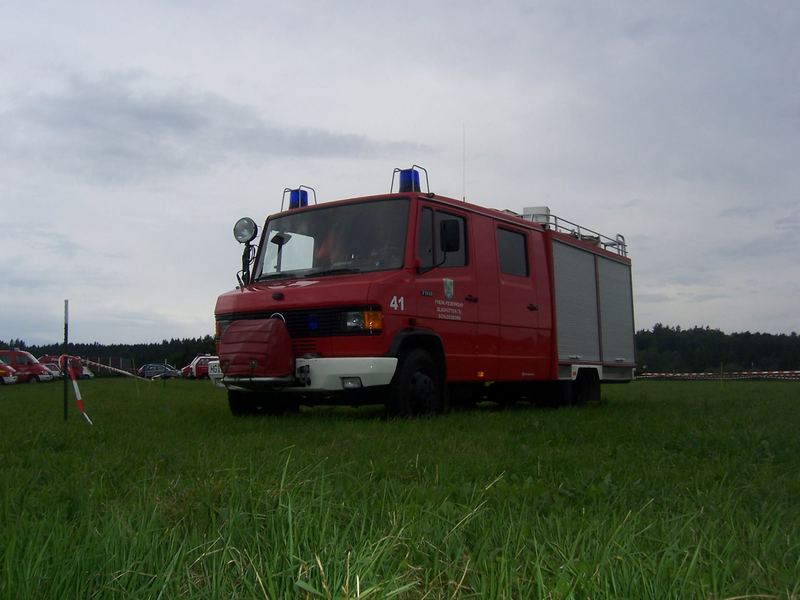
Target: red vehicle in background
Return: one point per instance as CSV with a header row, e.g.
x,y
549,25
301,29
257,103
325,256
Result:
x,y
414,300
7,374
28,368
54,363
198,368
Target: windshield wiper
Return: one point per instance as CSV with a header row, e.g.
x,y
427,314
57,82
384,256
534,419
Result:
x,y
336,271
277,276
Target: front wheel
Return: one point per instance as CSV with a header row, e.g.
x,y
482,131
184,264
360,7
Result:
x,y
416,388
33,379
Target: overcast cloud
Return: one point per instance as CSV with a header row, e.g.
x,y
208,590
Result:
x,y
110,130
133,135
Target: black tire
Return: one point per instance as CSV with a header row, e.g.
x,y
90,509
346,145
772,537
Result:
x,y
33,379
417,386
250,403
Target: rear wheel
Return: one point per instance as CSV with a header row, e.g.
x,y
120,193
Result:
x,y
416,388
34,379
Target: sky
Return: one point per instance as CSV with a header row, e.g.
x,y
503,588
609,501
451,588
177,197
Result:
x,y
134,134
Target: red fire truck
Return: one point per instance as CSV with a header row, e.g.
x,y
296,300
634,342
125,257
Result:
x,y
27,367
415,300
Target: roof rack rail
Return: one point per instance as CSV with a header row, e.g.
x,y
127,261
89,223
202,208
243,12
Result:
x,y
543,216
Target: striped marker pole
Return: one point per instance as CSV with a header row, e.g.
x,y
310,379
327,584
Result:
x,y
66,341
71,368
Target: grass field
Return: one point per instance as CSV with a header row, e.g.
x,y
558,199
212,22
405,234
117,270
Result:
x,y
664,490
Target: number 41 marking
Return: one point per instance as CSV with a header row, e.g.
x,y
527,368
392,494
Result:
x,y
397,303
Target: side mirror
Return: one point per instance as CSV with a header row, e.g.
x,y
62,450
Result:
x,y
449,235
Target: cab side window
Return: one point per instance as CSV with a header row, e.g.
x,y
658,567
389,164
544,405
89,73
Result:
x,y
512,252
431,248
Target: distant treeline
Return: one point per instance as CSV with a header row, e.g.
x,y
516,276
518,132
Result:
x,y
663,348
702,349
177,352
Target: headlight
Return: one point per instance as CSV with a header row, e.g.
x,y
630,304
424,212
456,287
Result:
x,y
363,320
354,321
245,230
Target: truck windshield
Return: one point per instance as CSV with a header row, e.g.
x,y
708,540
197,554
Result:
x,y
350,238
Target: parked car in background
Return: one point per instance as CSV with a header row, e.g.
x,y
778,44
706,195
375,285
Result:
x,y
86,373
8,374
53,368
198,368
28,368
154,370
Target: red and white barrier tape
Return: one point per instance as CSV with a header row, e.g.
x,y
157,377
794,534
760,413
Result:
x,y
725,375
115,370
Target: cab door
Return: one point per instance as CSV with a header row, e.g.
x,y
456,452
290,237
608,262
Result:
x,y
448,292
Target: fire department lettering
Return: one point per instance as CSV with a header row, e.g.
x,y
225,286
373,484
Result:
x,y
449,309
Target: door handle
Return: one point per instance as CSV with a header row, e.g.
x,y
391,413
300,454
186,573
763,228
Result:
x,y
533,307
471,298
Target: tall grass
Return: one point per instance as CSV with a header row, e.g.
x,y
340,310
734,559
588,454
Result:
x,y
664,490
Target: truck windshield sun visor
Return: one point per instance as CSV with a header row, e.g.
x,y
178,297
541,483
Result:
x,y
349,238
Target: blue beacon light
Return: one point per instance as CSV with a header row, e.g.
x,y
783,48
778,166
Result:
x,y
409,180
298,198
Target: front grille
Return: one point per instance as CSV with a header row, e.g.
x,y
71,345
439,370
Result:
x,y
310,323
314,323
304,346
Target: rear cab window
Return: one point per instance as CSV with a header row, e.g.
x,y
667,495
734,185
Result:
x,y
512,252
